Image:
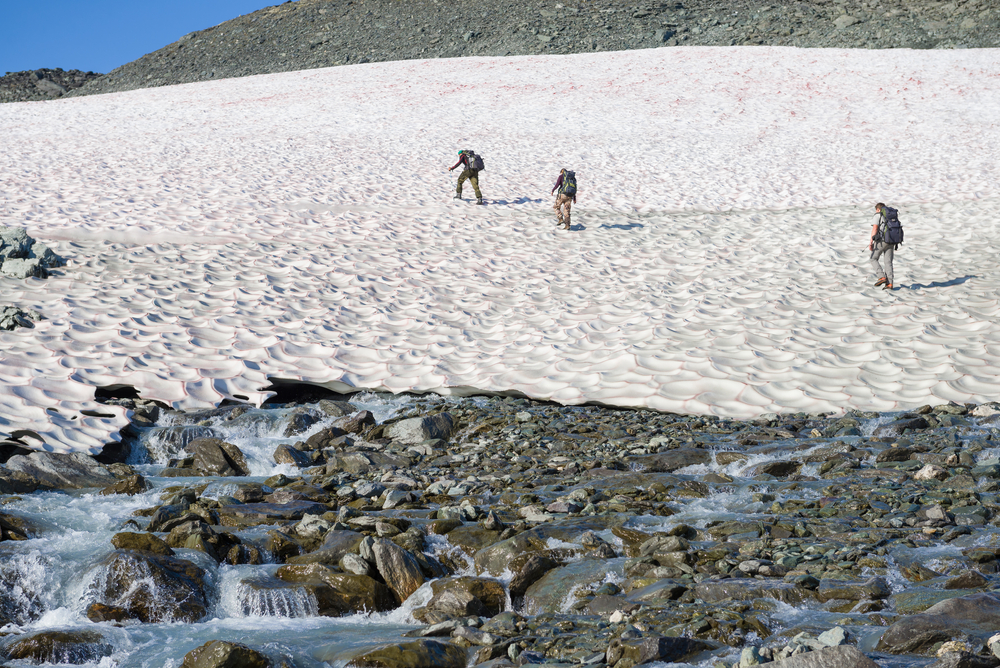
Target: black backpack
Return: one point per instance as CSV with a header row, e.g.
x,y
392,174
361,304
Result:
x,y
569,184
475,161
891,230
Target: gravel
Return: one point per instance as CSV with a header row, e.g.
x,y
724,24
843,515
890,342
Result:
x,y
323,33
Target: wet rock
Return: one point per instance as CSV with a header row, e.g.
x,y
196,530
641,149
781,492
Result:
x,y
667,462
777,469
845,656
152,588
145,542
737,589
415,654
976,615
400,569
249,514
648,650
299,421
533,569
966,580
17,482
225,654
337,543
60,647
548,593
511,554
198,535
339,594
62,471
897,427
963,659
360,463
286,454
333,408
213,456
358,423
418,430
873,589
464,596
132,485
98,612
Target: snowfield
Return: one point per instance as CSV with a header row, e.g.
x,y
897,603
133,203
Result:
x,y
300,226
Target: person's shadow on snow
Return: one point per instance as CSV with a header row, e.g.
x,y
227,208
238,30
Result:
x,y
622,226
940,284
519,200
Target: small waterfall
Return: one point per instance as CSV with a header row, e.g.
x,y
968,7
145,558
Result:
x,y
268,598
27,587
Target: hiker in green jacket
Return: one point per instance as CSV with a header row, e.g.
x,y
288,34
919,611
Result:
x,y
472,164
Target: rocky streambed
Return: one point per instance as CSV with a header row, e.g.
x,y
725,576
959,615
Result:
x,y
423,531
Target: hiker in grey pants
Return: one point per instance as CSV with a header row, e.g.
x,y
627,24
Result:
x,y
878,249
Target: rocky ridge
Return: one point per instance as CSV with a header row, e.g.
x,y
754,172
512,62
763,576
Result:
x,y
322,33
42,84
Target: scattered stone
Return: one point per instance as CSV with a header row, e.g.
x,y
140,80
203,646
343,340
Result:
x,y
225,654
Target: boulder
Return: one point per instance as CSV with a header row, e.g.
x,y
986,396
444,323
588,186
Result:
x,y
843,656
23,268
152,588
60,647
511,554
421,653
897,427
873,589
670,461
533,569
466,596
144,542
62,471
224,654
132,485
196,534
16,482
360,463
358,423
286,454
549,593
778,469
648,650
14,243
12,317
741,589
339,594
337,543
976,615
418,430
213,456
400,569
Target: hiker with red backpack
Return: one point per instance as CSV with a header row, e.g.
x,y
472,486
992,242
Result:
x,y
566,185
887,235
473,165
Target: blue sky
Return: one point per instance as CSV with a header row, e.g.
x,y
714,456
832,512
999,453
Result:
x,y
100,35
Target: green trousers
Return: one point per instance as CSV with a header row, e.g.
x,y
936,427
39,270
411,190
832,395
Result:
x,y
473,176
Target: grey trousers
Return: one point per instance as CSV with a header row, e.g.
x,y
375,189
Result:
x,y
883,249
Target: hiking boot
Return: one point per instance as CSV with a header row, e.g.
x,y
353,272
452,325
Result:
x,y
479,200
887,286
881,281
459,196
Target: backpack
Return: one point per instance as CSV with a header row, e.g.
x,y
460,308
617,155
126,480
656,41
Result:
x,y
891,230
568,187
475,161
